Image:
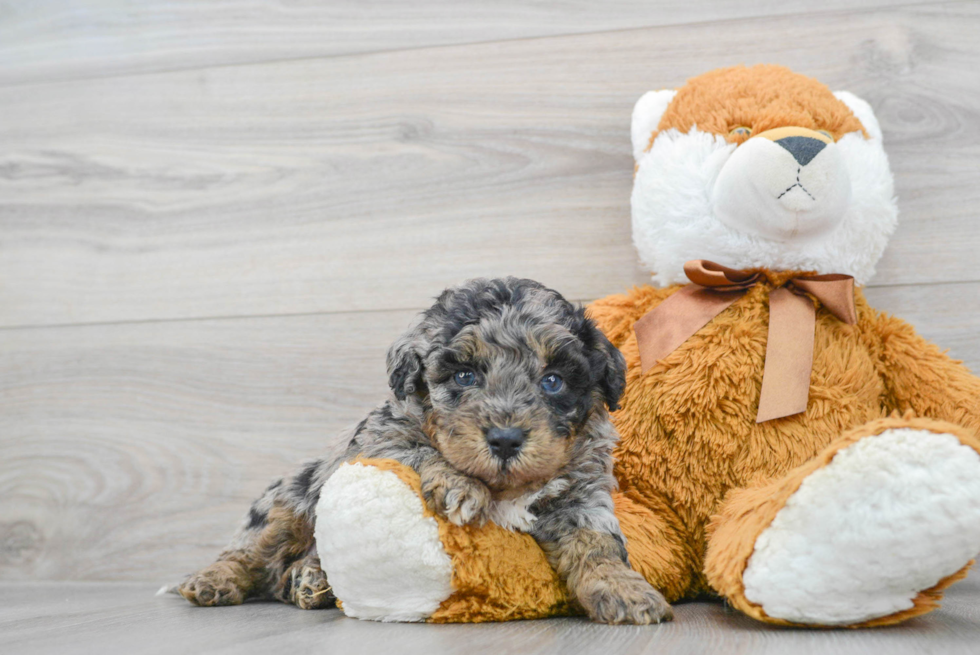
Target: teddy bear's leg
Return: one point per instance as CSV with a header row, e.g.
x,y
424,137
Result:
x,y
869,532
381,553
388,558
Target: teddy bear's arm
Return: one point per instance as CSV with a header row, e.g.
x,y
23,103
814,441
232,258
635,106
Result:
x,y
921,378
615,315
460,498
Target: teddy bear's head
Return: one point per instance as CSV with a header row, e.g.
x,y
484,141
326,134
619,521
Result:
x,y
759,167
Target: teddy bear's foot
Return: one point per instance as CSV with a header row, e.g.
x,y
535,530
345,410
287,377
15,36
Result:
x,y
869,533
380,551
390,558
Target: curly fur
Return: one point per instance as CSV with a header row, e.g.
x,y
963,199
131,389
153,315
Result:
x,y
509,333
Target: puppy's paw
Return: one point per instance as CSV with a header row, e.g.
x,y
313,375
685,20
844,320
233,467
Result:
x,y
310,589
219,584
461,499
622,598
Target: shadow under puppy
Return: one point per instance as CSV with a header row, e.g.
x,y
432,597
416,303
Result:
x,y
500,397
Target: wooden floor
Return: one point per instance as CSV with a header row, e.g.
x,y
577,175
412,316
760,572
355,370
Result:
x,y
215,216
99,617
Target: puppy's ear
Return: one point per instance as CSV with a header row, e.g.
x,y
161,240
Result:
x,y
405,367
607,363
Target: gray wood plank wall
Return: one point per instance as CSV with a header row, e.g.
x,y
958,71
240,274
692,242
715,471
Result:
x,y
213,221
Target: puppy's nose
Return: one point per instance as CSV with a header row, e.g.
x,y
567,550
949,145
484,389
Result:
x,y
505,442
803,148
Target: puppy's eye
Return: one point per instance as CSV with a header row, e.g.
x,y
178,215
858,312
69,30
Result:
x,y
741,130
465,378
552,383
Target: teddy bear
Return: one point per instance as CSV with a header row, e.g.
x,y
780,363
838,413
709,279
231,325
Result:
x,y
783,445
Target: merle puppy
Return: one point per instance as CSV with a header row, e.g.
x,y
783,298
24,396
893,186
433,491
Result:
x,y
500,399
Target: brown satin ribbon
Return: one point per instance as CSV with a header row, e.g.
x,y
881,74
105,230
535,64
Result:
x,y
792,321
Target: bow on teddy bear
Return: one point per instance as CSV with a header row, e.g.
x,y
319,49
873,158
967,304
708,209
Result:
x,y
857,510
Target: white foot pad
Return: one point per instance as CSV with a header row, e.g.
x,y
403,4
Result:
x,y
382,555
889,517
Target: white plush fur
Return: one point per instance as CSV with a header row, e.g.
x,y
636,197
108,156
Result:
x,y
646,116
862,110
675,220
762,190
889,517
381,554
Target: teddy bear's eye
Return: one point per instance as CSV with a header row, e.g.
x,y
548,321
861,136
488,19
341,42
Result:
x,y
741,130
826,134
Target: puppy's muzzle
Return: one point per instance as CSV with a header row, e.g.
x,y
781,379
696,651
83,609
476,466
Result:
x,y
505,442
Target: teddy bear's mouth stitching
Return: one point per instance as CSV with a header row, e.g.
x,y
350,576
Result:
x,y
797,184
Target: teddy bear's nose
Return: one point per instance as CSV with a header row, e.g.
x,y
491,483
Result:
x,y
803,148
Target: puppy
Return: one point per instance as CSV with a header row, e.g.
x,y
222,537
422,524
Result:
x,y
499,402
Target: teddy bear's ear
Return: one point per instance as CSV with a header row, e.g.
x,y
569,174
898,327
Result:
x,y
646,116
862,110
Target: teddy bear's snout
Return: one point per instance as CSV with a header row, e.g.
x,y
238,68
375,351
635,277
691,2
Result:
x,y
784,183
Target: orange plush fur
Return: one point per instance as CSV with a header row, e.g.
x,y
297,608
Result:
x,y
688,425
760,98
498,575
699,479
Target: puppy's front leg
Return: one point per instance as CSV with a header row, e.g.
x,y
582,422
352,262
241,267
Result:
x,y
459,497
595,568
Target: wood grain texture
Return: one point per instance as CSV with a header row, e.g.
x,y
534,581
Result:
x,y
316,204
948,314
131,451
64,39
64,618
368,182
